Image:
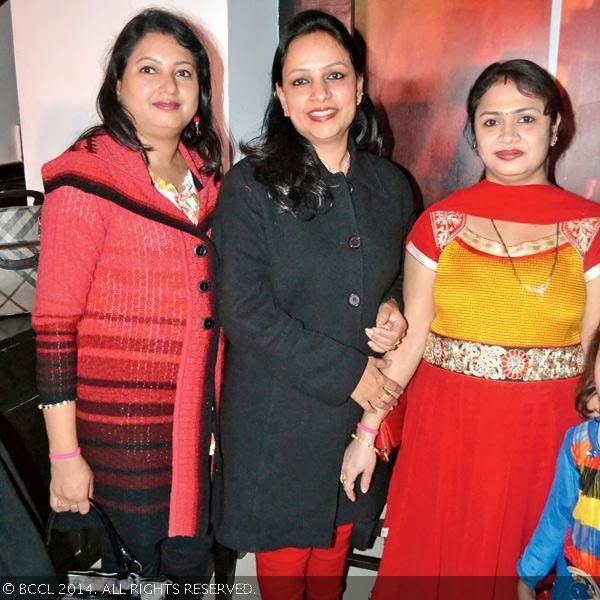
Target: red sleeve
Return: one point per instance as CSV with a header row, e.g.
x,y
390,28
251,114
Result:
x,y
432,232
72,236
591,259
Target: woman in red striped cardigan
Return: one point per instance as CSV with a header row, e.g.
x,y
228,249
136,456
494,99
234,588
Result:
x,y
128,352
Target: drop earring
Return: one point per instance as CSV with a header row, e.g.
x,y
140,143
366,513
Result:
x,y
196,121
554,140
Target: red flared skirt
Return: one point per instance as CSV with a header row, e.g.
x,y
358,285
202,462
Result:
x,y
470,482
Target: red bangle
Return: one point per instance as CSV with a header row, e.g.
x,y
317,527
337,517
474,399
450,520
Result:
x,y
366,429
66,455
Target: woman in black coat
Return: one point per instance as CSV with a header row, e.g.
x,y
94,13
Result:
x,y
309,231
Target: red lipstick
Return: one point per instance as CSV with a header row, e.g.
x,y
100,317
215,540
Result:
x,y
508,154
166,105
322,114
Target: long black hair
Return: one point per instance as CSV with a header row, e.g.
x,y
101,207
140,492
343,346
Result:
x,y
118,123
284,161
531,80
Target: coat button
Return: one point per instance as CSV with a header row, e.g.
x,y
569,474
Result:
x,y
208,323
354,300
350,187
204,286
354,242
200,250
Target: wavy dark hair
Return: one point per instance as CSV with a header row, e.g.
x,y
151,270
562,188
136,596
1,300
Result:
x,y
118,122
283,160
588,386
531,80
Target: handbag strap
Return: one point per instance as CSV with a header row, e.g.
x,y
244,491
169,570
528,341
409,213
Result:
x,y
10,198
126,563
18,264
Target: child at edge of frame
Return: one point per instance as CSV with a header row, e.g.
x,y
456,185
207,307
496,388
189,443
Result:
x,y
568,533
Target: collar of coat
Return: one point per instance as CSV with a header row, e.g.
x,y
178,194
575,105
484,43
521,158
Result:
x,y
103,167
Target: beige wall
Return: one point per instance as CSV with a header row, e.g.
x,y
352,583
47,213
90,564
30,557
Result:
x,y
60,49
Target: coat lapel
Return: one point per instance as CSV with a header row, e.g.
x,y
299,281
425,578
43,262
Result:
x,y
105,168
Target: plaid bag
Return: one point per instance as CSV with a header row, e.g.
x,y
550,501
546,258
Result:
x,y
19,249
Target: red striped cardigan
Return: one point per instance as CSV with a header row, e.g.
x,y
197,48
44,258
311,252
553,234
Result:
x,y
124,320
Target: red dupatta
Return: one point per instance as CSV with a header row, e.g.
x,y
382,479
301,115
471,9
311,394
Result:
x,y
537,203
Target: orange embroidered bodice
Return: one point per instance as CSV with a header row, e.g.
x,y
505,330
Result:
x,y
478,297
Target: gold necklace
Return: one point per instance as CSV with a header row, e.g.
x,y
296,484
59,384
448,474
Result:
x,y
534,289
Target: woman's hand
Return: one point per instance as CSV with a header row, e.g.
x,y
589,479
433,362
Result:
x,y
358,461
71,479
390,328
375,390
524,592
71,485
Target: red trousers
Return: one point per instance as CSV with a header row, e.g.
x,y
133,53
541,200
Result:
x,y
305,573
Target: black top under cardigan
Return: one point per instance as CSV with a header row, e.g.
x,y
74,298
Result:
x,y
294,298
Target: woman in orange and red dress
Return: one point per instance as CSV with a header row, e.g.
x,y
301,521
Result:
x,y
502,293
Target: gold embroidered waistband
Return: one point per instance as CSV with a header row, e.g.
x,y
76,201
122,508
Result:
x,y
500,363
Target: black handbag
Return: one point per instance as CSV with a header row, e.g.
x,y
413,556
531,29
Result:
x,y
126,583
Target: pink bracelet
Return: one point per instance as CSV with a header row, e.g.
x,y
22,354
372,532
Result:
x,y
66,455
366,429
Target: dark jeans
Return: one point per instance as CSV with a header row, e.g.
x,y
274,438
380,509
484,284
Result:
x,y
174,557
186,557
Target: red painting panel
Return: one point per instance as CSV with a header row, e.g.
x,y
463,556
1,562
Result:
x,y
579,70
342,9
423,57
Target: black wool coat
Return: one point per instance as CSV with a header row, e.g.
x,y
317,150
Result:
x,y
294,298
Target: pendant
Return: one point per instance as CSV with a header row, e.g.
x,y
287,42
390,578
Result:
x,y
538,289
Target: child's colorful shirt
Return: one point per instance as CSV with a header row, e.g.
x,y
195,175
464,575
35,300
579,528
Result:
x,y
570,523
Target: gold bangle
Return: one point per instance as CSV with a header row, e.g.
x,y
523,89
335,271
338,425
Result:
x,y
47,406
381,453
364,442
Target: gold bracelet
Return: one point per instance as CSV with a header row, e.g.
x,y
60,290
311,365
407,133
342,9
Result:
x,y
364,442
382,454
47,406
